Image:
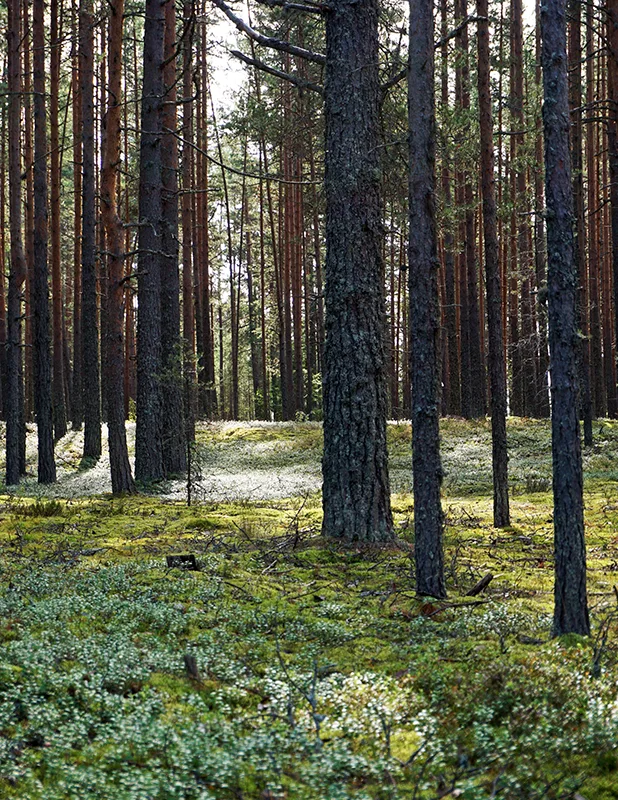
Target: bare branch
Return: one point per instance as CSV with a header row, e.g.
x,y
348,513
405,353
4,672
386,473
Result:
x,y
268,41
317,8
254,62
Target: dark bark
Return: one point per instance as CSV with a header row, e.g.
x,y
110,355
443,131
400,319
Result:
x,y
40,287
77,406
122,480
148,450
13,399
571,610
497,366
59,404
424,310
91,380
475,393
540,256
579,253
172,410
612,141
356,492
453,398
188,308
27,363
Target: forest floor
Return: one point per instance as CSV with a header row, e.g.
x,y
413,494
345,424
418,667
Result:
x,y
289,667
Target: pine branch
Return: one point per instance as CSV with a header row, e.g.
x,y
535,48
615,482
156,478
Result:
x,y
268,41
254,62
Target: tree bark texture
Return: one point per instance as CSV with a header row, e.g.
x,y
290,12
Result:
x,y
91,376
148,450
571,609
497,366
424,307
40,287
172,411
356,493
122,480
13,400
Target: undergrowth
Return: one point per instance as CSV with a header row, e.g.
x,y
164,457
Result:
x,y
288,667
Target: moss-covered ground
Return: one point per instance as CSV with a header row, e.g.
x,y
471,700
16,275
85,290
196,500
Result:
x,y
288,667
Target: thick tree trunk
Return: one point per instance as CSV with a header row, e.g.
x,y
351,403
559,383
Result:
x,y
148,450
13,399
356,493
571,609
424,310
41,335
91,381
497,366
122,480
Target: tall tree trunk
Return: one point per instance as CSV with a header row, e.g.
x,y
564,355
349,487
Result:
x,y
581,262
596,354
91,376
122,480
612,141
424,310
77,407
172,411
497,367
27,364
188,307
478,393
571,609
13,400
148,450
41,337
539,237
453,399
59,405
356,493
609,363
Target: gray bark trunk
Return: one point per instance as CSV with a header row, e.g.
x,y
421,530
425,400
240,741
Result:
x,y
356,494
571,609
424,306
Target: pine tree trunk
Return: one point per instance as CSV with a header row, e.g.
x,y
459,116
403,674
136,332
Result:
x,y
612,141
41,336
594,269
453,398
571,610
91,381
59,404
148,433
172,411
27,365
77,412
424,310
122,480
356,492
497,366
581,263
540,254
188,307
13,399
